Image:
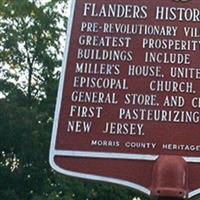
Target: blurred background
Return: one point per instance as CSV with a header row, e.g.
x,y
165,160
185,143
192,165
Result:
x,y
32,37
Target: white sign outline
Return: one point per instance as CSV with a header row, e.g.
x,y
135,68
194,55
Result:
x,y
89,154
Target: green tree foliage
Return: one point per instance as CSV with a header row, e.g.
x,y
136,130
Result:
x,y
30,49
30,42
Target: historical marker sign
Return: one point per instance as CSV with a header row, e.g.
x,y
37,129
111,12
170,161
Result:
x,y
129,91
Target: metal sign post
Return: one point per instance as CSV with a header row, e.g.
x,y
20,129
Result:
x,y
170,177
128,106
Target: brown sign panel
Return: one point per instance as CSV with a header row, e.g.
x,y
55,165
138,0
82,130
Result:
x,y
129,91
